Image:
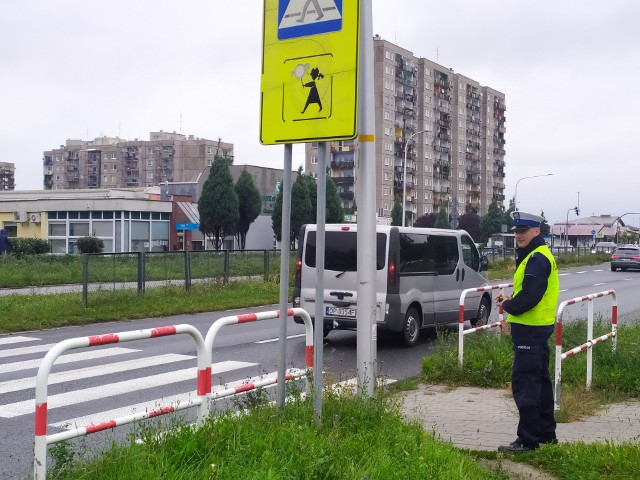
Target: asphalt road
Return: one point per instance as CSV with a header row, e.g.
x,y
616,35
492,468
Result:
x,y
94,385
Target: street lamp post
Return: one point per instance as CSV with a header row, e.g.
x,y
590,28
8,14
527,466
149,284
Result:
x,y
404,176
515,194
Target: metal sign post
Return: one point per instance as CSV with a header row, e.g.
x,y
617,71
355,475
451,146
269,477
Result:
x,y
366,315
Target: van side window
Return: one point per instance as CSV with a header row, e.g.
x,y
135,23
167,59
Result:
x,y
445,254
415,254
470,254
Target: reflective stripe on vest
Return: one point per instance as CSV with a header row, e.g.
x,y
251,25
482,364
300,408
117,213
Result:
x,y
544,313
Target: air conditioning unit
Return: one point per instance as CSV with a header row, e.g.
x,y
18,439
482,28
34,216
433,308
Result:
x,y
34,218
20,216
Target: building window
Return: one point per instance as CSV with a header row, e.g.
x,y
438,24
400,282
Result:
x,y
386,161
314,160
149,151
387,191
149,163
149,175
115,167
386,176
113,155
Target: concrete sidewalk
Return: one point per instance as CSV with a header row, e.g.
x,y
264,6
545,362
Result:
x,y
483,418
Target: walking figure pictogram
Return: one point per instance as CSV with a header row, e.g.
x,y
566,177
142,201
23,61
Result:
x,y
306,7
314,96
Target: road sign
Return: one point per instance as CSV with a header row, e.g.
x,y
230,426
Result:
x,y
593,232
187,226
309,84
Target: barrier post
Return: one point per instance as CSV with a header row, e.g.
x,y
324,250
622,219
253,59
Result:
x,y
254,317
41,440
588,345
461,331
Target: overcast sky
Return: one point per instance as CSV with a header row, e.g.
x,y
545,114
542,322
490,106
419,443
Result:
x,y
570,71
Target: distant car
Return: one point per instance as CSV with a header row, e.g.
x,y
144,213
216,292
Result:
x,y
562,249
625,257
604,247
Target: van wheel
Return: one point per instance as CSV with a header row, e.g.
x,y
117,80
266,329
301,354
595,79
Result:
x,y
411,328
482,317
326,330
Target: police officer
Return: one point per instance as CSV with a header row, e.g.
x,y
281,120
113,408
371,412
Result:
x,y
532,310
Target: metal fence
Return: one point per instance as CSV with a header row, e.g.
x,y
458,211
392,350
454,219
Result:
x,y
138,270
498,253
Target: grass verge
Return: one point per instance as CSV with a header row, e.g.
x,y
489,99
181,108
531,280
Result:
x,y
37,312
487,363
359,439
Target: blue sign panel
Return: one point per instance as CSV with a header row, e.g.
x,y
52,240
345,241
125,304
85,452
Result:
x,y
303,18
187,226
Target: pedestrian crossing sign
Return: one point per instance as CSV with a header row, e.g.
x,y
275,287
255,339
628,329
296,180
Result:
x,y
309,82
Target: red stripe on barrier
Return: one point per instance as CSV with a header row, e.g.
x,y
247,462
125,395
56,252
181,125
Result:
x,y
101,426
41,419
558,334
570,353
204,381
161,411
163,331
247,317
103,339
461,314
245,388
290,312
288,376
614,314
308,358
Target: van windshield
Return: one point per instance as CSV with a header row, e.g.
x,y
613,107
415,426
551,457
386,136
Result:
x,y
341,251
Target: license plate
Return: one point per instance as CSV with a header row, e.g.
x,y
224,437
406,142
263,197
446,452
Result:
x,y
340,312
625,259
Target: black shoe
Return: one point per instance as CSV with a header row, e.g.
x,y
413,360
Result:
x,y
515,447
548,440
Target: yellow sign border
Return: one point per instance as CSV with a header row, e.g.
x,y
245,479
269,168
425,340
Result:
x,y
321,68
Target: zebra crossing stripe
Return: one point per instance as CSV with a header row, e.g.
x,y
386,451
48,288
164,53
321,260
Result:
x,y
10,340
95,371
69,358
26,350
12,410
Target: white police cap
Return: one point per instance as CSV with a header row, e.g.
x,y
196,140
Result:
x,y
525,220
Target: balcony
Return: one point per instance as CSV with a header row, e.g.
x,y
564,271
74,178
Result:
x,y
342,164
346,195
343,181
47,160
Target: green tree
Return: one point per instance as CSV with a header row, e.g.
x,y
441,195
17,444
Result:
x,y
442,220
304,200
471,223
508,221
335,213
90,244
545,229
426,221
218,204
492,222
249,206
396,215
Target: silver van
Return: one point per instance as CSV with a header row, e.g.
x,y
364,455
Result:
x,y
420,274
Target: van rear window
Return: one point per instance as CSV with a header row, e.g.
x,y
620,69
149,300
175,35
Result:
x,y
341,251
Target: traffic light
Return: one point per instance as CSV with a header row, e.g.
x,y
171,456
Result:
x,y
577,211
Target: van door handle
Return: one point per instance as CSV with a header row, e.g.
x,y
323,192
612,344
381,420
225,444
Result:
x,y
463,274
457,274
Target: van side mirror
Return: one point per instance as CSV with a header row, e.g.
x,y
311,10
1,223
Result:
x,y
484,263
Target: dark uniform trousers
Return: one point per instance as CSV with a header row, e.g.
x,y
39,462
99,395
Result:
x,y
531,384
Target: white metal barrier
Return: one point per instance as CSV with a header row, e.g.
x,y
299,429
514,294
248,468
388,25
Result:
x,y
461,331
560,356
203,381
255,317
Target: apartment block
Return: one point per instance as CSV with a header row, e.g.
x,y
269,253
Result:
x,y
7,176
108,162
440,139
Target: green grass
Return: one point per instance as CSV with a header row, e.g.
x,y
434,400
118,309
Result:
x,y
359,439
37,312
487,363
499,269
38,270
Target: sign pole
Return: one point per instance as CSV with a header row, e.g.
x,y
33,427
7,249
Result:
x,y
318,328
285,245
366,316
